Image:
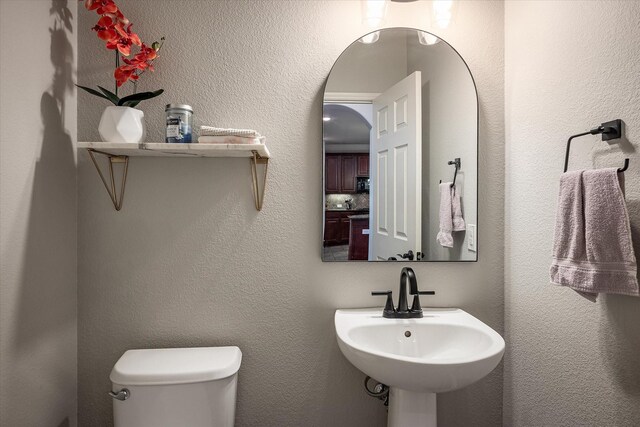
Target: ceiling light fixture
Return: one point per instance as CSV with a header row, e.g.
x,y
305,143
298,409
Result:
x,y
373,12
442,12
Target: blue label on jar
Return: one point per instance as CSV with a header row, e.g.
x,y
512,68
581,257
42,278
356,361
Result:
x,y
178,132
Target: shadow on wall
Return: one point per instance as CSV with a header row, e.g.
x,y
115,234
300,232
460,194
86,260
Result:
x,y
46,310
61,55
50,245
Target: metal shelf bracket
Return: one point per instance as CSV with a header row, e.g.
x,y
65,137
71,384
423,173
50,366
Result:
x,y
259,180
258,187
111,185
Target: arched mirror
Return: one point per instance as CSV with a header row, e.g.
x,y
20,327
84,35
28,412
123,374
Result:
x,y
400,151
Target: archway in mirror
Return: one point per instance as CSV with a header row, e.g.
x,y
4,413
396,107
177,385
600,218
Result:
x,y
397,113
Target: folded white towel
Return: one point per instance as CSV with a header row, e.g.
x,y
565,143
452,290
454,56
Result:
x,y
592,249
213,131
450,214
229,139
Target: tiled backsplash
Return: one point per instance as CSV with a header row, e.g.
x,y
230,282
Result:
x,y
359,201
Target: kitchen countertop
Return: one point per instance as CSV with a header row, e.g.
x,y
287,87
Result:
x,y
346,210
361,216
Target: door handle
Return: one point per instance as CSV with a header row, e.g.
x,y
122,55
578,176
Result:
x,y
408,255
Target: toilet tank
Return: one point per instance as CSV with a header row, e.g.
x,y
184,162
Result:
x,y
176,387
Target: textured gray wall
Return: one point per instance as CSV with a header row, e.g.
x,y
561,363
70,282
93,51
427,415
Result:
x,y
569,66
452,100
38,290
189,262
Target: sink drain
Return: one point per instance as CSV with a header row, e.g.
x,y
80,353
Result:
x,y
407,334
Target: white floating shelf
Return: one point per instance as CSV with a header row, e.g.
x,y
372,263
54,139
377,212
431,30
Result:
x,y
119,152
150,149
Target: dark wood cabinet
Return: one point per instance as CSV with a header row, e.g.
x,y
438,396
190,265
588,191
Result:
x,y
333,171
348,172
332,230
337,227
358,241
344,228
363,165
341,171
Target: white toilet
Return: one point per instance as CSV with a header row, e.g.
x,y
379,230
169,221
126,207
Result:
x,y
193,387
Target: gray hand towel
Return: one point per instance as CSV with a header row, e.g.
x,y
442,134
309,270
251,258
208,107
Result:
x,y
444,236
456,208
450,214
592,250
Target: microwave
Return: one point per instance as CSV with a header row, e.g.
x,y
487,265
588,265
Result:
x,y
362,184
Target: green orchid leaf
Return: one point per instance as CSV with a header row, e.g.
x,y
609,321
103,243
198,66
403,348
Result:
x,y
112,96
131,104
137,97
94,92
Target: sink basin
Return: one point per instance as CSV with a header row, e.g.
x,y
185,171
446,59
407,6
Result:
x,y
445,350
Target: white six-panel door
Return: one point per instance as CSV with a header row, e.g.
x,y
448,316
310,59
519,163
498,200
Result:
x,y
396,170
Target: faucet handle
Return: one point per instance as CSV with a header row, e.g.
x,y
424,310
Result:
x,y
389,310
416,309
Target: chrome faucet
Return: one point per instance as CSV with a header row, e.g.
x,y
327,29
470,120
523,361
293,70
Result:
x,y
403,311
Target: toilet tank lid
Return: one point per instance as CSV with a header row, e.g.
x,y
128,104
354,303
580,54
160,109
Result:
x,y
176,365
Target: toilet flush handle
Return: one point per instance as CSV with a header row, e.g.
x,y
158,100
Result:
x,y
123,394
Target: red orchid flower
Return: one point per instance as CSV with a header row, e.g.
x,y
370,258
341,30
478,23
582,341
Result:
x,y
135,64
101,6
135,39
122,44
105,29
121,18
140,62
116,30
146,54
126,39
123,73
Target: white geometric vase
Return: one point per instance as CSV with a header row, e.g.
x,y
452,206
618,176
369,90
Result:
x,y
121,124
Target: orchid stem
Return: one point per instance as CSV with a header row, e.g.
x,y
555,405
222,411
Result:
x,y
117,65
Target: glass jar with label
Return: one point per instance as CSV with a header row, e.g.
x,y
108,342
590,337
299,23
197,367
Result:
x,y
179,123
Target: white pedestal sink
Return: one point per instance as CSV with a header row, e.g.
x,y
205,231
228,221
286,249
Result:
x,y
445,350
